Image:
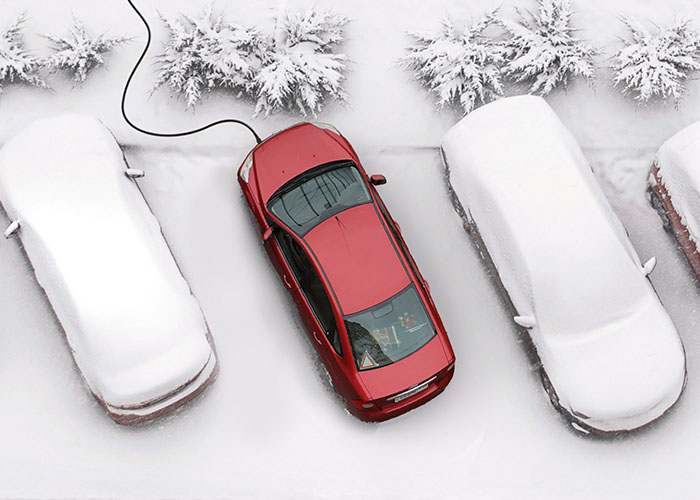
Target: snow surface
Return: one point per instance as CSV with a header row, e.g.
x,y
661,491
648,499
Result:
x,y
606,343
270,427
136,331
679,170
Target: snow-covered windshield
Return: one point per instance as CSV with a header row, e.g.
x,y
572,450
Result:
x,y
389,331
310,200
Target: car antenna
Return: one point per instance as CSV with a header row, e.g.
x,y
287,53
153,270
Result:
x,y
173,134
340,222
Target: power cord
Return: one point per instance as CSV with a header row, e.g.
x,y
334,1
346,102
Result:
x,y
175,134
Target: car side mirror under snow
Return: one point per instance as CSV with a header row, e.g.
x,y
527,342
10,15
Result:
x,y
12,228
649,266
134,173
525,321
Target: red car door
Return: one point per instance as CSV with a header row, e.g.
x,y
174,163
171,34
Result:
x,y
313,303
278,260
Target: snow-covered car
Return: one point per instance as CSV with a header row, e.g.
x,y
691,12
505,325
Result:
x,y
674,189
611,358
135,330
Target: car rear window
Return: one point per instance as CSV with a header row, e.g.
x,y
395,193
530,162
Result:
x,y
311,199
389,331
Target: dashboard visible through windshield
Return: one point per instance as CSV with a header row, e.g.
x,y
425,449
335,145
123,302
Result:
x,y
314,197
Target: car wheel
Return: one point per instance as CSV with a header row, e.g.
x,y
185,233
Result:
x,y
327,376
658,205
549,389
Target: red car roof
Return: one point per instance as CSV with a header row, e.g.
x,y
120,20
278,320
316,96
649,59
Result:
x,y
292,152
358,258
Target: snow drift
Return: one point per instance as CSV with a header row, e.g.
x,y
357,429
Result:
x,y
135,330
607,346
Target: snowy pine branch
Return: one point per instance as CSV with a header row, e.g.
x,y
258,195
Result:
x,y
657,63
206,52
300,68
542,49
78,52
17,64
459,68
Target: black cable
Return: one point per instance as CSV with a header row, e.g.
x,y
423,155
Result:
x,y
175,134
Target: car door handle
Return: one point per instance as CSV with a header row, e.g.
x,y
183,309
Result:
x,y
316,337
286,281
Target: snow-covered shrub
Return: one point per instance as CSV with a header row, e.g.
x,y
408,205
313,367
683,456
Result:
x,y
657,63
207,52
17,64
78,52
459,68
542,50
300,69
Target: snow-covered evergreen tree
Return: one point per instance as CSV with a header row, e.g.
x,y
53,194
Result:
x,y
657,63
542,50
17,64
300,69
207,52
78,52
459,68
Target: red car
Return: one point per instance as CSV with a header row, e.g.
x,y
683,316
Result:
x,y
365,305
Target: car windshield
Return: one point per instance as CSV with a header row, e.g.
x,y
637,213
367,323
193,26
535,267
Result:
x,y
310,200
389,331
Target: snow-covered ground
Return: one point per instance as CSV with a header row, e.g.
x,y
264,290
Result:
x,y
270,427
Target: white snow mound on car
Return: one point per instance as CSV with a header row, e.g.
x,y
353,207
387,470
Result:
x,y
607,344
678,161
136,331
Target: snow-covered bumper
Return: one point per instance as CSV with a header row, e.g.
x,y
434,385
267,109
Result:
x,y
621,377
144,412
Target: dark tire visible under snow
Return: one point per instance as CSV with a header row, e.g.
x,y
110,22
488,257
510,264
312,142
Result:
x,y
658,206
663,204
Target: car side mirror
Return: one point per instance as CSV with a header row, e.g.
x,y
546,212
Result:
x,y
267,234
525,321
134,173
377,180
12,228
649,266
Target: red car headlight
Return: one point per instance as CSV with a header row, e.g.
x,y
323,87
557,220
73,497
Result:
x,y
327,126
247,165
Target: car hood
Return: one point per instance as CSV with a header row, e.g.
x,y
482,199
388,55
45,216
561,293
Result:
x,y
622,375
291,152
